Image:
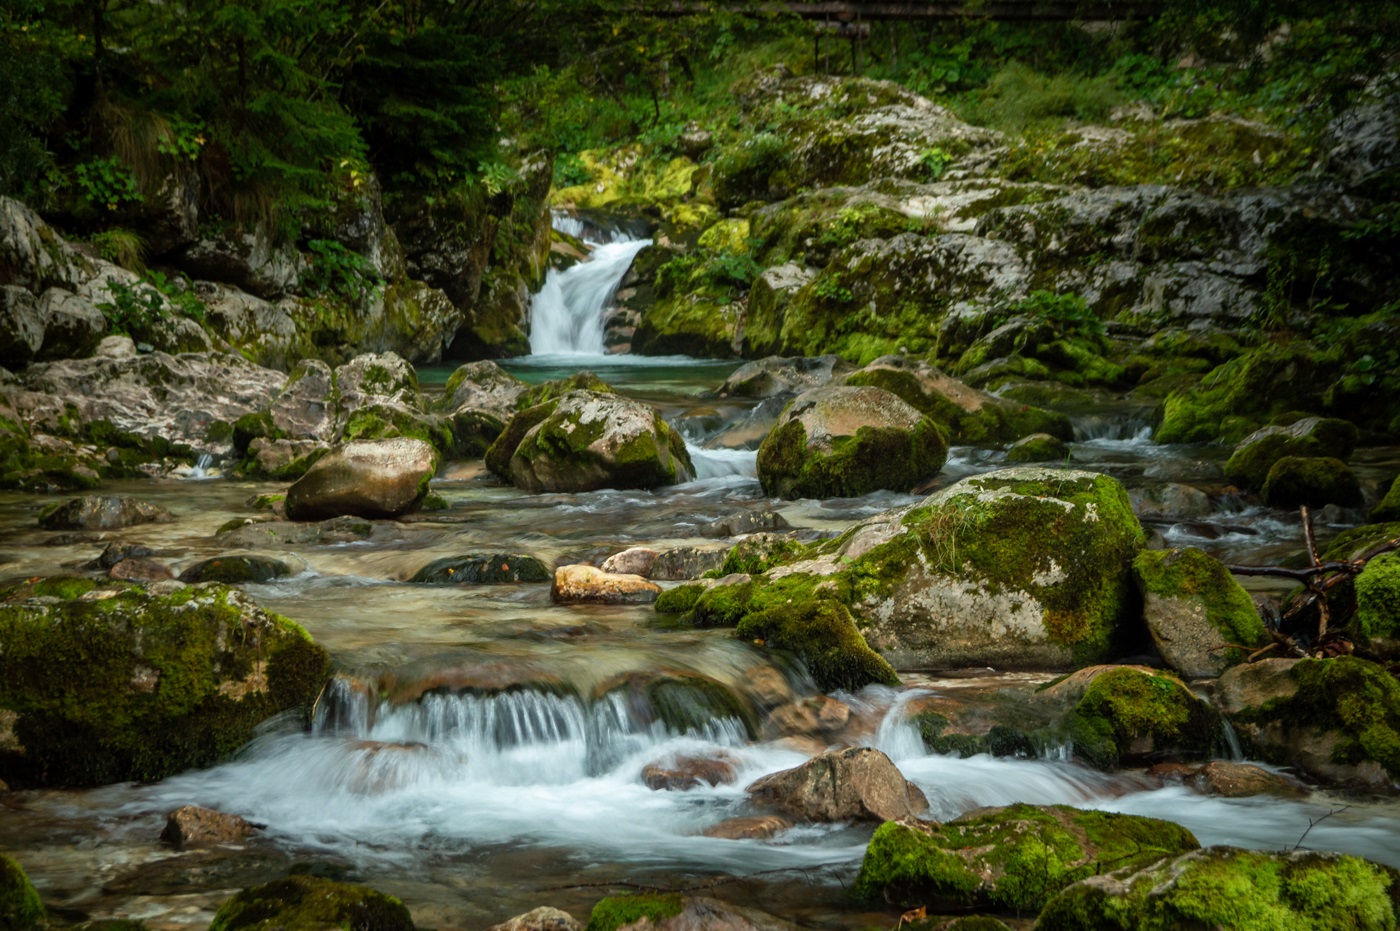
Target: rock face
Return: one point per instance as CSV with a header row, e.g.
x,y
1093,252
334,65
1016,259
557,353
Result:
x,y
1223,887
586,440
1193,606
375,479
973,417
102,512
115,684
1016,857
848,441
587,585
192,826
1022,568
859,784
312,902
1304,713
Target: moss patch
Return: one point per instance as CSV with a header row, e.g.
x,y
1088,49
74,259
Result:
x,y
1125,710
1315,481
824,635
1194,575
615,911
310,903
1378,598
1015,857
874,458
679,600
20,907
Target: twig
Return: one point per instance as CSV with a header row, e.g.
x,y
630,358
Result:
x,y
1306,513
1314,822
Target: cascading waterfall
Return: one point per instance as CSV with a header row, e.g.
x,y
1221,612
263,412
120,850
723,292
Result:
x,y
566,316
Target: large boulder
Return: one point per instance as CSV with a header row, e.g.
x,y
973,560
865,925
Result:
x,y
72,326
252,262
587,440
1315,481
1025,568
1337,720
1377,624
972,416
483,386
1127,715
116,683
839,441
102,512
778,375
1197,613
1223,887
372,478
1257,453
312,902
1015,858
858,784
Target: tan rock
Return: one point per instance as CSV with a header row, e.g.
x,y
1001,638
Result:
x,y
367,478
589,585
192,826
841,785
812,716
635,561
687,772
1239,780
543,918
139,569
748,828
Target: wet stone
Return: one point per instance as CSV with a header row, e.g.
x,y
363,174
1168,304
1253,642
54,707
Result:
x,y
192,826
102,512
587,584
140,569
758,828
234,570
688,772
483,569
543,918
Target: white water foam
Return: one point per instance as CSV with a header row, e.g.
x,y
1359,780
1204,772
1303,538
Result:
x,y
566,316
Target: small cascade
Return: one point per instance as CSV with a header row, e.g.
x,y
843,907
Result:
x,y
723,463
897,736
567,315
1096,428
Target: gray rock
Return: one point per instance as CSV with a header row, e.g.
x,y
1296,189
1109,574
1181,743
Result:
x,y
72,326
32,255
483,386
279,534
236,570
858,784
372,479
543,918
686,562
21,328
1168,501
115,347
1365,141
102,512
483,569
265,330
249,261
779,375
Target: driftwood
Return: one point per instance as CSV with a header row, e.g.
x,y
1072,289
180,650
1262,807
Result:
x,y
1320,580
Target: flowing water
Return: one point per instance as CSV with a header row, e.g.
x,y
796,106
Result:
x,y
481,750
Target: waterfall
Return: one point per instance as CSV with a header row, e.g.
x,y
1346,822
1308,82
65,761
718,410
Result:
x,y
566,316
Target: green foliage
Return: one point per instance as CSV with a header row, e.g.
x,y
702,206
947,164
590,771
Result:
x,y
934,162
1068,313
615,911
31,96
106,183
1018,98
135,309
338,272
122,246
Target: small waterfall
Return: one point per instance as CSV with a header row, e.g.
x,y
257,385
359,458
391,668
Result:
x,y
897,736
723,463
566,316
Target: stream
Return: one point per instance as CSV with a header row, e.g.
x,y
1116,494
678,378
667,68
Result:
x,y
480,753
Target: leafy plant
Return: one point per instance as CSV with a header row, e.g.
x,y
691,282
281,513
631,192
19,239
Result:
x,y
933,162
106,183
337,271
498,177
1068,313
137,308
830,289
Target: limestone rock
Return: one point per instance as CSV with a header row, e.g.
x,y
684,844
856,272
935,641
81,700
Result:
x,y
249,261
1038,447
374,479
637,560
102,512
279,534
192,826
848,441
1128,714
483,386
842,785
1193,607
588,585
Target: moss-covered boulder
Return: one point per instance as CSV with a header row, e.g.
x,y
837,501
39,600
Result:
x,y
1025,568
236,570
1038,447
117,683
1315,481
973,417
1256,454
839,441
483,569
558,387
20,908
311,903
1223,887
483,386
616,911
374,479
1194,607
1017,857
1378,605
1337,720
1128,714
587,440
1388,508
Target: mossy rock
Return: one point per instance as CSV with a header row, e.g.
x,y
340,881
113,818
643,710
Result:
x,y
823,634
1337,720
1038,447
838,441
20,907
1223,887
679,600
705,323
1025,568
1257,453
1193,607
552,390
483,569
759,552
1378,599
311,903
135,685
615,911
1128,715
1294,481
1350,544
1388,508
1016,857
236,570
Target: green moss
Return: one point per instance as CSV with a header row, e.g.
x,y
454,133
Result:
x,y
758,553
993,422
1352,543
1125,708
1378,598
1243,890
1194,575
499,454
1250,463
822,633
550,390
311,903
138,686
1236,398
1015,857
251,427
723,605
1315,481
615,911
679,600
874,458
64,587
1388,508
1037,448
20,907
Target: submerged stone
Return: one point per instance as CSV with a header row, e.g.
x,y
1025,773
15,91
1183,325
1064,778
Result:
x,y
118,683
483,569
310,903
1017,857
1223,887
